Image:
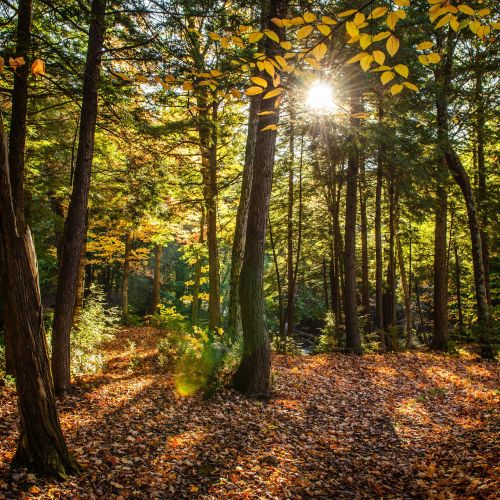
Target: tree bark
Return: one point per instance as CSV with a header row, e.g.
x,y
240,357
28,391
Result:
x,y
75,224
80,285
252,376
281,315
126,270
484,327
353,338
195,306
155,295
234,320
41,444
406,292
458,289
379,286
365,284
440,333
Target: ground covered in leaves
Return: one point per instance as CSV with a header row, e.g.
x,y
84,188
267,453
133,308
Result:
x,y
399,425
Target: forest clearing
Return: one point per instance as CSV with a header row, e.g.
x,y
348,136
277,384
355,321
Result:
x,y
249,248
402,425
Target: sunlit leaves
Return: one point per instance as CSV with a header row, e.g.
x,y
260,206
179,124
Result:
x,y
254,90
255,37
273,93
351,28
328,20
38,67
424,45
304,32
386,77
411,86
346,13
392,45
402,70
377,12
434,57
273,126
272,35
396,88
319,51
379,57
324,29
259,81
309,17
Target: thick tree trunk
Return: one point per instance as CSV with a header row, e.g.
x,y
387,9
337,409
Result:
x,y
379,286
126,270
440,332
234,320
281,315
41,445
195,306
75,225
80,285
155,295
353,338
252,376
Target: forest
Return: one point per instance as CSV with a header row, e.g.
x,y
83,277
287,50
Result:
x,y
249,249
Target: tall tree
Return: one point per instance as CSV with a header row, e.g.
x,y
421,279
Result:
x,y
75,227
252,376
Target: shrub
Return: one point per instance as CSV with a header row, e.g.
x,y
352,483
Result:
x,y
330,338
95,325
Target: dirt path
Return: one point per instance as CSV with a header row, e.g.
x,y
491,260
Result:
x,y
403,425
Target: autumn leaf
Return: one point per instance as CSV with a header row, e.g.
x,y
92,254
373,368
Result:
x,y
402,70
259,81
269,127
386,77
392,45
304,32
254,90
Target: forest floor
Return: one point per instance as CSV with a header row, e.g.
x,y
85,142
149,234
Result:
x,y
410,425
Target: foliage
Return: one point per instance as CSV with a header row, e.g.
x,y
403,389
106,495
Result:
x,y
96,324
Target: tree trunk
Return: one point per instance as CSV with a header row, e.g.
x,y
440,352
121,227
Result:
x,y
80,285
234,320
379,286
353,338
365,285
208,145
406,292
440,332
484,327
325,285
390,296
126,270
75,225
252,376
482,193
458,289
281,315
155,295
195,306
41,445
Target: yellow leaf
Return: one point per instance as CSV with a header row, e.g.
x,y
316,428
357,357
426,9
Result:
x,y
309,17
402,70
386,77
215,72
359,19
351,28
392,45
424,45
324,29
443,21
396,89
320,51
455,25
378,57
312,62
495,25
1,64
392,19
411,86
193,488
277,102
269,68
274,93
402,3
347,13
381,68
377,12
328,20
483,31
277,22
265,113
483,12
224,43
366,62
286,45
356,58
474,26
38,67
434,58
187,86
281,61
269,127
214,36
259,81
272,35
466,10
365,40
236,93
254,90
423,59
255,37
381,36
304,32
